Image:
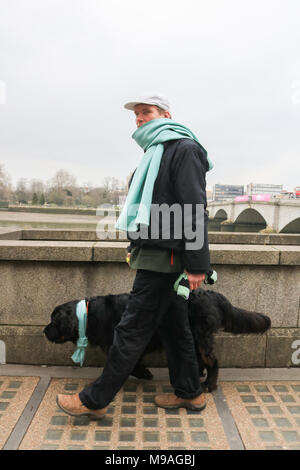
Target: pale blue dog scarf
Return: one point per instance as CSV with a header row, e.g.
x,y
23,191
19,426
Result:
x,y
82,341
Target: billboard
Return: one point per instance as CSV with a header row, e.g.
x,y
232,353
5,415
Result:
x,y
261,197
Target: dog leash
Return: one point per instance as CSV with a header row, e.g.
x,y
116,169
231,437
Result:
x,y
82,342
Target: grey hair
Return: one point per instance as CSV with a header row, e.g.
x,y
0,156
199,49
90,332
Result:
x,y
162,110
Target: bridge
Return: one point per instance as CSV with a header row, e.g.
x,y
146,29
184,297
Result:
x,y
281,215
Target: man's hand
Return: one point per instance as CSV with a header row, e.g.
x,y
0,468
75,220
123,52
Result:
x,y
195,280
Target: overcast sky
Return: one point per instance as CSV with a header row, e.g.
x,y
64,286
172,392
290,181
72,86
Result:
x,y
230,68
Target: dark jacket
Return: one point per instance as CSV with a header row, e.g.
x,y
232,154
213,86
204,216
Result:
x,y
181,179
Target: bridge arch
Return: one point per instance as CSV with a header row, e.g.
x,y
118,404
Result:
x,y
214,222
252,218
221,214
292,227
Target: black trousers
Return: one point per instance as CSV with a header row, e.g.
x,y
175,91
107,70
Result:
x,y
152,306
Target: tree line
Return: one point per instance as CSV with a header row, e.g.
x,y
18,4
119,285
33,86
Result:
x,y
60,190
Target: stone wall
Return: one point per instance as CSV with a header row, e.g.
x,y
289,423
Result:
x,y
41,269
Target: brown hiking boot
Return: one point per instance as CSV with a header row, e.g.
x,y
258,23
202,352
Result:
x,y
171,401
72,405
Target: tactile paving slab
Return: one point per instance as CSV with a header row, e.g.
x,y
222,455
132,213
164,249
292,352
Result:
x,y
133,422
15,393
267,414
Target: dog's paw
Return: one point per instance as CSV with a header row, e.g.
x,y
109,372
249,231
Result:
x,y
209,388
142,373
147,375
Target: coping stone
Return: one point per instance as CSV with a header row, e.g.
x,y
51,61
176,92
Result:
x,y
30,250
110,251
242,238
244,254
7,234
115,251
289,255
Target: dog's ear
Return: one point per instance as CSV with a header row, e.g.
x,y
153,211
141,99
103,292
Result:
x,y
66,320
68,308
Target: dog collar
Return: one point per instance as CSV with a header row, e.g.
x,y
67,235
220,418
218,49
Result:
x,y
82,342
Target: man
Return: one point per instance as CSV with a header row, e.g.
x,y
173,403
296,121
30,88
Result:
x,y
170,174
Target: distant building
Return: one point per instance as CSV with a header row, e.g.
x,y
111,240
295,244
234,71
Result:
x,y
263,188
209,195
223,192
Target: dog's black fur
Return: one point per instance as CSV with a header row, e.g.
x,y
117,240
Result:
x,y
209,312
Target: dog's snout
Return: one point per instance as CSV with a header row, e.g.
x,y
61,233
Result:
x,y
50,332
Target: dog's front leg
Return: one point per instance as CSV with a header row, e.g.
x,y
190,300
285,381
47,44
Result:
x,y
141,372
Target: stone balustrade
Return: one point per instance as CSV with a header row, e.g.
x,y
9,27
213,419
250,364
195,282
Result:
x,y
40,269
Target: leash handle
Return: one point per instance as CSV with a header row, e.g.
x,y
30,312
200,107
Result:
x,y
182,287
211,277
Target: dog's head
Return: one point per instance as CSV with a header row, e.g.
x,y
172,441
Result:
x,y
64,324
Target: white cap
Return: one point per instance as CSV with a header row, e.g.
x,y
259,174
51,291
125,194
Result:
x,y
156,99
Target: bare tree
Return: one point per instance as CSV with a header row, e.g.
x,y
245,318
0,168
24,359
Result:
x,y
22,192
62,188
62,180
5,184
37,186
110,183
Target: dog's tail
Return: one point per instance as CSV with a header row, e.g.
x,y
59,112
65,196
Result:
x,y
237,320
214,311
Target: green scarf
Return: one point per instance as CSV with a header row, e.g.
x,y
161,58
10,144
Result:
x,y
150,136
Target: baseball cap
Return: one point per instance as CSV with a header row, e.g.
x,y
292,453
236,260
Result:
x,y
156,99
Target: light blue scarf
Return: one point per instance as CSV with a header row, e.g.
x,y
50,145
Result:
x,y
82,341
150,136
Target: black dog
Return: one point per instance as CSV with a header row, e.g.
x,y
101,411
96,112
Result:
x,y
209,312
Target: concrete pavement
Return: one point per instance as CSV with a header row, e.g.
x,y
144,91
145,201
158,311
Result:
x,y
252,409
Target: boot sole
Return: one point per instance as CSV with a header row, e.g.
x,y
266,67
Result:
x,y
188,406
87,413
